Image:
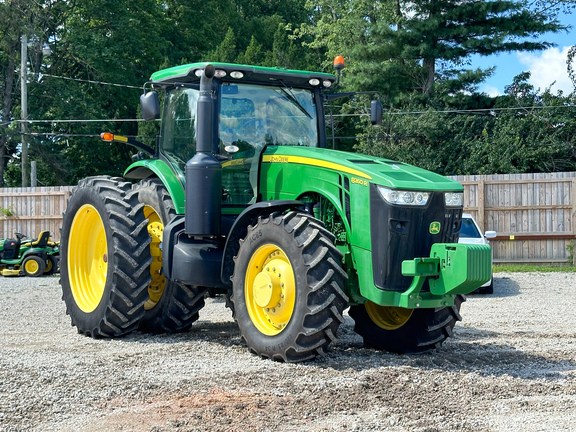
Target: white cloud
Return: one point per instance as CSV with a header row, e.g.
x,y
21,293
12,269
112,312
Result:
x,y
547,67
490,90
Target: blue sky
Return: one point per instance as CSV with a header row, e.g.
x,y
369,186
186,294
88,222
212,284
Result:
x,y
546,66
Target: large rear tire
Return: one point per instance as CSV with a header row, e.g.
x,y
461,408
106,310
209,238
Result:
x,y
288,294
104,258
171,307
405,331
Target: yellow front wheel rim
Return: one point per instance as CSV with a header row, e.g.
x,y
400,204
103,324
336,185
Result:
x,y
388,317
270,289
31,266
156,232
87,258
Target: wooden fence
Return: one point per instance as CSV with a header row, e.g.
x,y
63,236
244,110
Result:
x,y
32,210
533,214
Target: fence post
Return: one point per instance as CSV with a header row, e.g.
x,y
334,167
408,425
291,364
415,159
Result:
x,y
572,216
481,204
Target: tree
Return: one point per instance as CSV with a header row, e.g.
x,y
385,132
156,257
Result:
x,y
412,41
102,41
38,20
522,131
570,62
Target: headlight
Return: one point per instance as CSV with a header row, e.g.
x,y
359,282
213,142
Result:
x,y
454,199
403,197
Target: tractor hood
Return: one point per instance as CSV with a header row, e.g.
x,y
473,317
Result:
x,y
385,172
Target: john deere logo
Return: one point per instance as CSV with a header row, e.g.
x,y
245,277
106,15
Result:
x,y
434,227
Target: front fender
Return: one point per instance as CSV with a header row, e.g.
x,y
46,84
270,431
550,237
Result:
x,y
240,228
156,167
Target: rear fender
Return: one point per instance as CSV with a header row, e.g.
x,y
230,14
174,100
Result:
x,y
158,168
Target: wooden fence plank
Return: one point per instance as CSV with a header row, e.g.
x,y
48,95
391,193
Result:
x,y
34,209
538,210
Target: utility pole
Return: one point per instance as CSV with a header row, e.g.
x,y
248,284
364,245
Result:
x,y
24,108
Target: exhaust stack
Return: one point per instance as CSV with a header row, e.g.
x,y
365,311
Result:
x,y
203,172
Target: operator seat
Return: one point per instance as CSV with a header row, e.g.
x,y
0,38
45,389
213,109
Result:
x,y
42,240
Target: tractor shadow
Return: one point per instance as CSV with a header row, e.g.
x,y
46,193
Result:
x,y
212,327
465,353
503,287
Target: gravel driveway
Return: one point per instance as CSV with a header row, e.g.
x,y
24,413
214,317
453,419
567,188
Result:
x,y
511,366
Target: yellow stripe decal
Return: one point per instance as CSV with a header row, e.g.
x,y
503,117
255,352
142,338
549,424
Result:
x,y
234,162
314,162
120,138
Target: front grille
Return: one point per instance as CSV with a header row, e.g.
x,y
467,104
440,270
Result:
x,y
401,233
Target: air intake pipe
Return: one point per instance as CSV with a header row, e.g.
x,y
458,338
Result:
x,y
203,172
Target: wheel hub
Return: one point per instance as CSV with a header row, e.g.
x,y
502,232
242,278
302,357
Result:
x,y
270,290
87,258
156,232
388,317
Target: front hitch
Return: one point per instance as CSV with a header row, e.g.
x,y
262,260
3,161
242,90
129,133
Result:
x,y
451,269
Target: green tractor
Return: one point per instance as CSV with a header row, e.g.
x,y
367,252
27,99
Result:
x,y
242,197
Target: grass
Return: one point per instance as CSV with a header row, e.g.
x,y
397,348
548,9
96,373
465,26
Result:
x,y
533,268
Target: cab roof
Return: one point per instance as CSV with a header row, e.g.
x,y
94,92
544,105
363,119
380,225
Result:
x,y
250,74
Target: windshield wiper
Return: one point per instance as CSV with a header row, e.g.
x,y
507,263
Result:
x,y
286,90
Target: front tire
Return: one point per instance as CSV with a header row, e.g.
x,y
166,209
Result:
x,y
288,284
104,258
33,266
171,307
405,331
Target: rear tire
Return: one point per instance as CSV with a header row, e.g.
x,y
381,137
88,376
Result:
x,y
104,258
288,283
51,265
171,307
33,266
405,331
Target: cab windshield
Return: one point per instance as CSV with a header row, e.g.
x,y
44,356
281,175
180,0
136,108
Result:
x,y
254,116
250,117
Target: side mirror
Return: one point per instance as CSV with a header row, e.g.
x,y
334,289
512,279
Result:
x,y
150,106
376,113
490,234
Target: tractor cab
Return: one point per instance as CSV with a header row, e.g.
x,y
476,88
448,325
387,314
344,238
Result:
x,y
253,108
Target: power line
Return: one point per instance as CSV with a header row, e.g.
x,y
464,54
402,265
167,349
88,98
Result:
x,y
68,135
77,121
477,110
457,111
92,82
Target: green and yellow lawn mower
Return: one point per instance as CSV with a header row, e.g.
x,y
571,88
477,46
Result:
x,y
24,256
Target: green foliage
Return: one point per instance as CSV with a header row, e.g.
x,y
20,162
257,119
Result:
x,y
414,53
7,212
539,136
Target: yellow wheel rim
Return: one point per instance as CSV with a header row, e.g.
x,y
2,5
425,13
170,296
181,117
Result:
x,y
388,317
87,258
156,232
48,265
31,266
270,289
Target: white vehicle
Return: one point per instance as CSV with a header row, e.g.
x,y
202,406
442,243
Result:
x,y
470,233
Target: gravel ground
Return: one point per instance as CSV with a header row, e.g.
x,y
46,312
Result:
x,y
511,366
